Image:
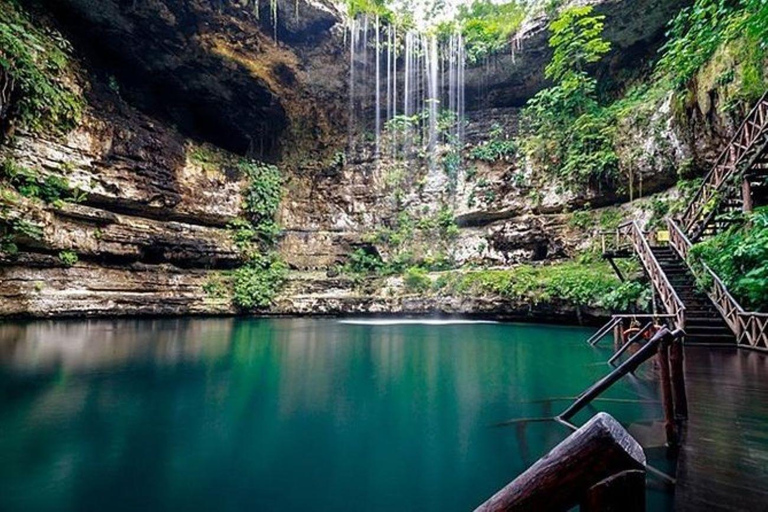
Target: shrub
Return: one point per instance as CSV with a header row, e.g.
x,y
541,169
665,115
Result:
x,y
262,196
256,283
739,256
417,280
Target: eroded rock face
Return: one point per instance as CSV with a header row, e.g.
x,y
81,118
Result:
x,y
213,68
151,232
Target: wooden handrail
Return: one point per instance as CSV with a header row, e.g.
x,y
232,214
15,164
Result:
x,y
646,352
659,280
591,457
630,342
749,327
603,331
727,163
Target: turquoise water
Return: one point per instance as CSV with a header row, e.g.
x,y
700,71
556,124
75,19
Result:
x,y
284,414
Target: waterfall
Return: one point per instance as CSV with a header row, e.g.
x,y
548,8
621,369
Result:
x,y
377,102
434,98
351,110
406,91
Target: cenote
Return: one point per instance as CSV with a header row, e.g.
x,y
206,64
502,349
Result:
x,y
286,414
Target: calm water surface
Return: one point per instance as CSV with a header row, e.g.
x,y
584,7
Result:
x,y
284,414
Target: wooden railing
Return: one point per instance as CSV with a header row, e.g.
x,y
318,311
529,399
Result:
x,y
634,235
749,327
699,212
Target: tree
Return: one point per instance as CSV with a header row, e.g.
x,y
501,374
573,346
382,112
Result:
x,y
577,41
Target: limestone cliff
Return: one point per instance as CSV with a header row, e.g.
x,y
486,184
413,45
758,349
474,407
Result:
x,y
165,82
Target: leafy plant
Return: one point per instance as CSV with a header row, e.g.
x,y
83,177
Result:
x,y
488,26
577,42
739,256
37,63
700,29
256,283
68,258
566,132
497,147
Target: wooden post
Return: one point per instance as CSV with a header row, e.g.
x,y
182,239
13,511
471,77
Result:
x,y
622,492
564,477
666,393
677,370
746,195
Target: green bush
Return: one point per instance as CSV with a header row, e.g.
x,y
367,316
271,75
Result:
x,y
577,283
37,61
497,147
262,196
699,30
565,131
363,262
256,283
417,280
487,26
739,256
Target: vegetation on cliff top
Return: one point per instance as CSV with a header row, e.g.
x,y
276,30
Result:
x,y
35,86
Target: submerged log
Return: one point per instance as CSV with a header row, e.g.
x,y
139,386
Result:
x,y
622,492
564,477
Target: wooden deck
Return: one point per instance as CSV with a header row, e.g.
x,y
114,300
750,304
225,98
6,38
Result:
x,y
723,464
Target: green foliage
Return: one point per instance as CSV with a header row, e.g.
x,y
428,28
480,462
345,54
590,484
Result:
x,y
363,262
416,279
739,256
566,132
487,26
29,183
575,283
37,62
590,157
424,241
497,147
698,31
216,286
577,41
68,258
262,197
256,283
12,227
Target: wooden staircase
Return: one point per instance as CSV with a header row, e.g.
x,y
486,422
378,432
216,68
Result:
x,y
737,182
703,322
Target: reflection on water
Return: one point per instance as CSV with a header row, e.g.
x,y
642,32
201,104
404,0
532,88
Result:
x,y
281,414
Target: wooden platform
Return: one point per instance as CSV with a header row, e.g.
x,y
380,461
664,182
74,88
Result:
x,y
723,464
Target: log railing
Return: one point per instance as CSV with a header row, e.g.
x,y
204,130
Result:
x,y
599,467
751,132
749,327
633,234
